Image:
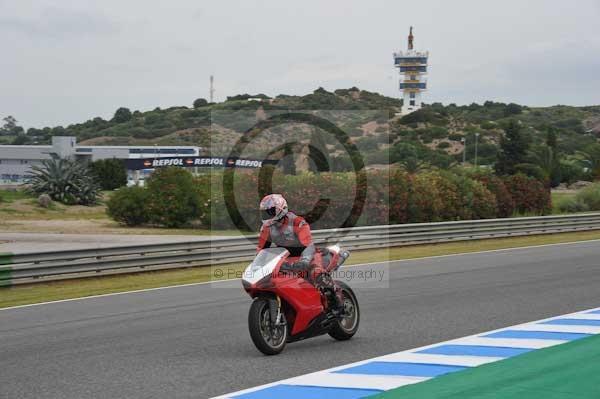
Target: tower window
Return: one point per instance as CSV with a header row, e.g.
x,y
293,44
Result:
x,y
412,102
412,94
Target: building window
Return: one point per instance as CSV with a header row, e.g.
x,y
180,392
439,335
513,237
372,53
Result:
x,y
412,94
412,102
24,161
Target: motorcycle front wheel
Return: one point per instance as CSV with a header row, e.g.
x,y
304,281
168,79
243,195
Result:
x,y
345,327
267,337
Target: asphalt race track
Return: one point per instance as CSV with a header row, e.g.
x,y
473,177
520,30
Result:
x,y
192,342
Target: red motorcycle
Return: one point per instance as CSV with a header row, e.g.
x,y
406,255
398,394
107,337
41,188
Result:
x,y
287,307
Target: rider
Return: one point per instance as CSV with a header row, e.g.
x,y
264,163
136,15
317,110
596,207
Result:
x,y
290,231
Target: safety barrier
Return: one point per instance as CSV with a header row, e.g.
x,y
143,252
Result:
x,y
44,266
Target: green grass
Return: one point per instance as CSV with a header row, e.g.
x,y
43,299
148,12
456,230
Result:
x,y
557,198
9,196
56,290
563,371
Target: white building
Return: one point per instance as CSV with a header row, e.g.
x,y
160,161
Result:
x,y
412,66
16,160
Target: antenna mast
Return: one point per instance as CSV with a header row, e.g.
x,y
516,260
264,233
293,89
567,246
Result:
x,y
212,89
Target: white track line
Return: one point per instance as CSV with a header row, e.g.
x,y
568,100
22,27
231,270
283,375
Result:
x,y
467,361
344,381
511,342
328,378
354,265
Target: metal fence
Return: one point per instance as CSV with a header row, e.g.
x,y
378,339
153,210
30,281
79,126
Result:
x,y
44,266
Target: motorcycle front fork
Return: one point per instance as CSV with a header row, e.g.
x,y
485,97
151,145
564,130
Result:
x,y
275,310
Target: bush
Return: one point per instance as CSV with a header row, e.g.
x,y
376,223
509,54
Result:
x,y
529,195
173,197
399,188
229,199
572,205
488,125
571,172
128,206
475,200
436,197
423,115
590,196
110,173
531,170
505,205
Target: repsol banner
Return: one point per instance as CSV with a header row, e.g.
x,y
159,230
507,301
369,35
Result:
x,y
196,162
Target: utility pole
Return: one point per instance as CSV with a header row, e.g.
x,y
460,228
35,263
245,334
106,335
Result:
x,y
212,89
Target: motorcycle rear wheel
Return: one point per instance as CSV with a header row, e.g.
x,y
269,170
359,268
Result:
x,y
344,328
267,338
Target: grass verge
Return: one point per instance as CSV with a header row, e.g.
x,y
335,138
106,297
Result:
x,y
56,290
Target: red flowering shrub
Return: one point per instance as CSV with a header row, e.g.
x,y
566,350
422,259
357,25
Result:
x,y
425,203
399,187
505,205
529,194
475,201
229,199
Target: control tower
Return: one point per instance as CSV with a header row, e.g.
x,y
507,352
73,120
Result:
x,y
413,68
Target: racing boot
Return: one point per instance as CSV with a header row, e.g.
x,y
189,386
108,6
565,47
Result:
x,y
333,293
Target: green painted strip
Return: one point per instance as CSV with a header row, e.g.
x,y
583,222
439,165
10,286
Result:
x,y
6,258
564,371
5,276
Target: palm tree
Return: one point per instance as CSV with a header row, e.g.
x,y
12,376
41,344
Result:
x,y
65,181
413,165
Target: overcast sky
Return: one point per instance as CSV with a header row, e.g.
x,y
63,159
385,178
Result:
x,y
67,61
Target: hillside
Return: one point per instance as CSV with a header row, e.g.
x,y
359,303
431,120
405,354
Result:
x,y
433,135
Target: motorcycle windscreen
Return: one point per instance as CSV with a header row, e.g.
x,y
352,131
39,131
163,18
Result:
x,y
263,265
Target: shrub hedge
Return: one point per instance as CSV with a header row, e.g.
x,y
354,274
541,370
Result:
x,y
530,196
224,200
173,199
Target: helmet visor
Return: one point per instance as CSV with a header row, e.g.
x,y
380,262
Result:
x,y
268,214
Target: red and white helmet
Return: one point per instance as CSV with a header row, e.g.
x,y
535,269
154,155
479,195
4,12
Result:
x,y
273,208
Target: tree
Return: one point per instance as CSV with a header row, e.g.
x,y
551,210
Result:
x,y
122,115
512,109
200,102
64,180
110,173
551,138
21,139
10,127
412,165
513,149
553,167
